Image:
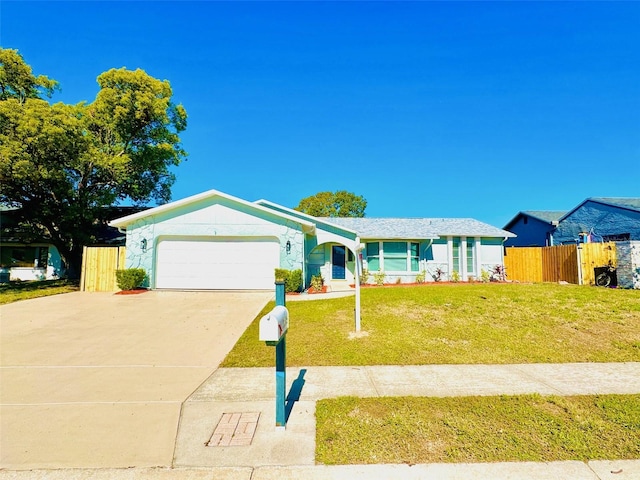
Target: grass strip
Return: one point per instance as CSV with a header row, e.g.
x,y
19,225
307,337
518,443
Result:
x,y
458,324
477,429
16,291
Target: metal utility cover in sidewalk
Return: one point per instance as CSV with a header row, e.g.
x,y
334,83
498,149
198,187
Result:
x,y
234,429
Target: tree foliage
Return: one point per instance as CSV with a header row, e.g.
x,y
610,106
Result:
x,y
329,204
17,80
63,164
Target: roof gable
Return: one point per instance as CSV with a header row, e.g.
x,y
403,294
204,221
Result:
x,y
628,203
632,204
547,216
551,217
211,195
320,222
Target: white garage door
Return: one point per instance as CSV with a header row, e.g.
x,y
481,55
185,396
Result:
x,y
245,263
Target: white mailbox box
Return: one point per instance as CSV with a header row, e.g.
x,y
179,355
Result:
x,y
274,324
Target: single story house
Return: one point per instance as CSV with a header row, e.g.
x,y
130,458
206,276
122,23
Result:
x,y
534,228
216,241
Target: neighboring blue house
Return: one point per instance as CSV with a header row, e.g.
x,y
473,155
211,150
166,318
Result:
x,y
534,228
600,220
216,241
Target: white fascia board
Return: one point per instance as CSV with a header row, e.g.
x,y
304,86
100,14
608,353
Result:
x,y
296,213
124,221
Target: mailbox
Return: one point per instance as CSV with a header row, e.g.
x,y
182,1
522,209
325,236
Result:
x,y
274,324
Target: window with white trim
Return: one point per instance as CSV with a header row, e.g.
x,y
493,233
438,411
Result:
x,y
373,256
471,262
456,254
395,256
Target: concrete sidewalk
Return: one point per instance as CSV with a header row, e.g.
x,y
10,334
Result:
x,y
291,453
237,390
571,470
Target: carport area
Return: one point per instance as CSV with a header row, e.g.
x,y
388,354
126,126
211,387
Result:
x,y
98,380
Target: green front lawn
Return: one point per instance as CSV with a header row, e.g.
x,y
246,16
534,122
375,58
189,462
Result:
x,y
457,324
477,429
15,291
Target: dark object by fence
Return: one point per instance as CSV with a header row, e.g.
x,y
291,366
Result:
x,y
606,276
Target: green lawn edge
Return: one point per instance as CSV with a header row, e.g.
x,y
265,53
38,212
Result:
x,y
535,428
17,291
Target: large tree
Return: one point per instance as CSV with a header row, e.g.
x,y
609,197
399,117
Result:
x,y
63,164
330,204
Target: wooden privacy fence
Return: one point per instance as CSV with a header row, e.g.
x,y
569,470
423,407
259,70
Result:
x,y
596,255
568,263
560,264
523,264
99,265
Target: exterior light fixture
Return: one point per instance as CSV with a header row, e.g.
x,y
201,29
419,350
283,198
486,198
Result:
x,y
288,247
143,244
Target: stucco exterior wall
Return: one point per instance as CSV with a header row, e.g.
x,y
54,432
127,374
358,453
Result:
x,y
216,219
436,256
599,219
491,253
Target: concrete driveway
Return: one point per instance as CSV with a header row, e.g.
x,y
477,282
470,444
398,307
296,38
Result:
x,y
98,380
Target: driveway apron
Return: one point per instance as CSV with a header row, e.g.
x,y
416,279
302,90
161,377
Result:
x,y
97,379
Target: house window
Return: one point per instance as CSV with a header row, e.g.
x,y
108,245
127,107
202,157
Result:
x,y
350,257
395,256
414,252
470,256
456,254
373,256
24,256
620,237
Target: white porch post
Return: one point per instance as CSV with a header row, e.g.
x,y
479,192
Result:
x,y
358,270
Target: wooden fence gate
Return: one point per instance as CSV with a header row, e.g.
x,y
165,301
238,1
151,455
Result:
x,y
99,265
594,255
568,263
560,264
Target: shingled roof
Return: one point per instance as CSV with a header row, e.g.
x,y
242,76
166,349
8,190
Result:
x,y
630,203
417,228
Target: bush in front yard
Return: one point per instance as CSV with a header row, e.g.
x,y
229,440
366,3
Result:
x,y
130,278
292,279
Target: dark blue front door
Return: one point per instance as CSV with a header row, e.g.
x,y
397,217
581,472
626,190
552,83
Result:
x,y
338,262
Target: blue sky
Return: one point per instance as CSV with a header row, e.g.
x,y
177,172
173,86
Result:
x,y
427,109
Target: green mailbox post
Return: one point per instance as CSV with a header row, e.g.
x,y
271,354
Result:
x,y
273,331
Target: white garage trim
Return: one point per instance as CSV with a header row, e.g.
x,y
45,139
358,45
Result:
x,y
216,263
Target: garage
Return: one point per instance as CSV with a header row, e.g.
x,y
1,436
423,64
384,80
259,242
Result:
x,y
217,263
